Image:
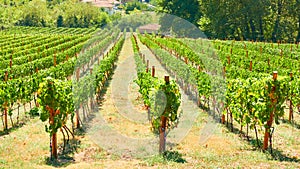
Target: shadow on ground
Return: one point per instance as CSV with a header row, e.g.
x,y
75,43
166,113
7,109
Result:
x,y
275,154
66,156
174,156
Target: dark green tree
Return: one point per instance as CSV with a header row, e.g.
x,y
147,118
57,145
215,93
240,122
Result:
x,y
188,9
251,19
60,21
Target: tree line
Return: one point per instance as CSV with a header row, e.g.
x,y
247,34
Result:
x,y
51,13
263,20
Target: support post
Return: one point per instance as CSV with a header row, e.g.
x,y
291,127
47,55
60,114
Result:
x,y
77,109
162,128
147,66
54,59
153,71
270,121
291,116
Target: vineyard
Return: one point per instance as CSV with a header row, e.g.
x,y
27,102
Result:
x,y
71,82
256,94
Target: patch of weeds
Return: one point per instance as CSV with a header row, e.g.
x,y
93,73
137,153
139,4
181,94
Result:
x,y
157,159
34,112
99,155
174,156
3,161
115,157
167,156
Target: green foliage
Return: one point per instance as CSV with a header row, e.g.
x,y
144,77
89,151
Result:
x,y
251,96
134,5
34,112
153,2
133,21
23,81
294,92
188,10
146,83
55,98
58,13
251,105
80,15
41,57
173,156
60,21
250,19
178,27
163,98
92,84
37,15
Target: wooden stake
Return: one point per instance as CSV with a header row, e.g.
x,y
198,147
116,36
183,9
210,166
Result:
x,y
10,62
147,67
260,49
223,119
275,75
153,71
77,109
54,59
5,117
162,128
54,136
54,145
291,116
167,79
228,60
250,65
270,121
162,132
92,103
6,76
